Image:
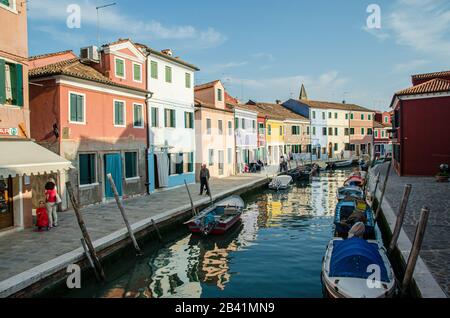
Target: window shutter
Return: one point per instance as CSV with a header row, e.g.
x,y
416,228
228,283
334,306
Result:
x,y
2,82
73,107
79,108
19,85
166,123
174,122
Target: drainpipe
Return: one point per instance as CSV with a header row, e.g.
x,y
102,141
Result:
x,y
147,109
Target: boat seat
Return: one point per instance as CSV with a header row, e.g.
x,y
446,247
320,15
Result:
x,y
230,211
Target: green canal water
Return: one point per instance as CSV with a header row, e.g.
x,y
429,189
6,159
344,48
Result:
x,y
276,251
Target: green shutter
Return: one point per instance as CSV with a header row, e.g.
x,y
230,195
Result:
x,y
73,107
173,119
137,72
2,82
79,108
154,69
166,123
19,85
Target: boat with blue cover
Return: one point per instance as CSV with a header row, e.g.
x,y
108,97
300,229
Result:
x,y
346,215
357,268
350,191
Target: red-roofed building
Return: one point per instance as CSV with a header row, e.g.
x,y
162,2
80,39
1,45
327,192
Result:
x,y
421,129
381,129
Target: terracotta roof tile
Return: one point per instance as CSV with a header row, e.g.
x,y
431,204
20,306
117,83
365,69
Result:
x,y
430,75
436,85
275,111
75,68
202,104
206,85
331,105
36,57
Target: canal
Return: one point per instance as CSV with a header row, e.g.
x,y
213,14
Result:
x,y
276,251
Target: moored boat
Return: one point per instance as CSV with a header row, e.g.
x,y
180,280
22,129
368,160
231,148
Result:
x,y
349,212
349,192
343,163
356,268
281,182
354,180
218,218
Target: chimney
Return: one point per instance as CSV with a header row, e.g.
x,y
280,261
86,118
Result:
x,y
344,102
278,101
167,52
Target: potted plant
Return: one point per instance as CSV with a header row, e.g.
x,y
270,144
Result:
x,y
444,174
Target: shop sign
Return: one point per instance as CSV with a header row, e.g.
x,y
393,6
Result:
x,y
9,131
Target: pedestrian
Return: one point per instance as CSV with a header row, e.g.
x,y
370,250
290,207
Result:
x,y
52,200
342,154
42,217
204,180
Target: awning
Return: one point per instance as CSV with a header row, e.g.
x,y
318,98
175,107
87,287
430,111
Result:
x,y
24,157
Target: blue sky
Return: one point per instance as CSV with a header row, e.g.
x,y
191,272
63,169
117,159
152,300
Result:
x,y
265,49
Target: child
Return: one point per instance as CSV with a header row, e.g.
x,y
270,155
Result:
x,y
42,217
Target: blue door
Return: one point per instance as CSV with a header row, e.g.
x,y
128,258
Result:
x,y
113,165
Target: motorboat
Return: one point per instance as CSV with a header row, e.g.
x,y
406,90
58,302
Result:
x,y
356,268
282,182
218,218
355,180
349,192
300,173
349,212
343,163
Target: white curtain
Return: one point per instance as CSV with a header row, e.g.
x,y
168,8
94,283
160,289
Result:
x,y
163,169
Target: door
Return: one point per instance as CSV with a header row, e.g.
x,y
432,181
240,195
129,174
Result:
x,y
6,204
221,162
113,165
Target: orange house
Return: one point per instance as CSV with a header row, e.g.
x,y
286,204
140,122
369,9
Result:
x,y
92,111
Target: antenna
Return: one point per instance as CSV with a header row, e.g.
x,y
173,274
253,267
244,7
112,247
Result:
x,y
98,20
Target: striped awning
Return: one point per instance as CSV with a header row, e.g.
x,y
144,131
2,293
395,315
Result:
x,y
25,157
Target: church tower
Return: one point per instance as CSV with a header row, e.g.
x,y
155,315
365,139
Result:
x,y
303,95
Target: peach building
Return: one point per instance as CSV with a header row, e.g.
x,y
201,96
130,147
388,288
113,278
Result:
x,y
214,129
21,174
97,104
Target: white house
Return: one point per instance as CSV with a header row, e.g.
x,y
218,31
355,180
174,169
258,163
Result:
x,y
171,155
246,136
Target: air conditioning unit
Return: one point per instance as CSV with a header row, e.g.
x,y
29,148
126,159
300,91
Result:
x,y
90,53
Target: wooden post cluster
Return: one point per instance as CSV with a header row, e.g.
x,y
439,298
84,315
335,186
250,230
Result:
x,y
386,179
400,218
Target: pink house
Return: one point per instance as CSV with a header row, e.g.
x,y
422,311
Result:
x,y
92,111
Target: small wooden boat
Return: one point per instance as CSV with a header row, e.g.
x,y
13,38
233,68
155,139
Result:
x,y
346,214
356,268
354,180
301,173
343,163
280,183
352,192
218,218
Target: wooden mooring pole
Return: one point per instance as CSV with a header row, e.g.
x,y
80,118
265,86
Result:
x,y
124,216
194,211
415,250
400,218
380,202
157,230
84,232
209,190
88,255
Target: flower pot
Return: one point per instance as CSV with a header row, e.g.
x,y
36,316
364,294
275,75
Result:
x,y
442,178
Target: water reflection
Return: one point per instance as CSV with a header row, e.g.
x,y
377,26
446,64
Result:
x,y
275,251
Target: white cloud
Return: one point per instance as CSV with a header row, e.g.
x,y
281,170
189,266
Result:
x,y
410,66
112,20
266,56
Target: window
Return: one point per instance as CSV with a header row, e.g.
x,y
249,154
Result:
x,y
119,113
370,131
330,131
131,165
362,116
346,116
336,132
386,119
230,156
376,133
189,162
120,67
236,123
187,80
335,115
174,163
336,147
323,116
369,117
329,115
87,169
243,123
352,131
138,117
324,131
208,126
137,72
77,108
219,95
295,130
254,125
155,117
230,128
189,120
261,128
314,131
307,130
11,83
362,131
168,74
179,163
220,125
281,131
11,4
352,116
169,118
314,114
211,157
269,130
346,131
383,134
154,70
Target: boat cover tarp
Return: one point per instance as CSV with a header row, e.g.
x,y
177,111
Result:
x,y
352,258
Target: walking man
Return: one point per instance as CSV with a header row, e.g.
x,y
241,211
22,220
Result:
x,y
204,178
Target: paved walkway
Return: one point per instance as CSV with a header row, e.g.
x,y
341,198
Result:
x,y
436,196
26,254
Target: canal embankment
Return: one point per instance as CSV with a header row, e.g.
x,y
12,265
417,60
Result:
x,y
32,261
432,272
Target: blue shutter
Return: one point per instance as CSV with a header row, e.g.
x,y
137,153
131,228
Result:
x,y
2,82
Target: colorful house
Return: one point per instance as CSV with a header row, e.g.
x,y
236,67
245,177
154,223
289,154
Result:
x,y
171,130
381,134
262,144
97,105
214,128
421,130
24,165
